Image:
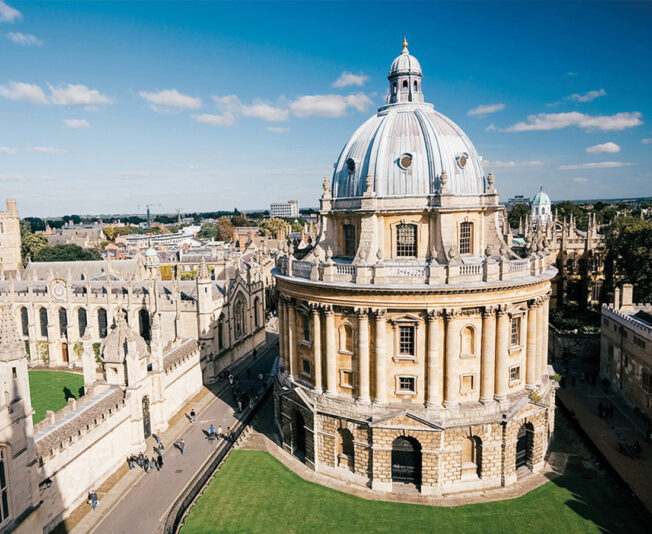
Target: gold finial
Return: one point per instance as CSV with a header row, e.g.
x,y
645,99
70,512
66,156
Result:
x,y
404,42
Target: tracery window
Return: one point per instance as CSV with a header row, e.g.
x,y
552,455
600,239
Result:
x,y
43,320
24,321
102,322
239,311
82,321
63,322
406,240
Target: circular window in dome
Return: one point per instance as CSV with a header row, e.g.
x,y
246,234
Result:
x,y
405,161
350,165
462,160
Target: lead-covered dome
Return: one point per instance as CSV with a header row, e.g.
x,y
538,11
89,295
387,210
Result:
x,y
407,145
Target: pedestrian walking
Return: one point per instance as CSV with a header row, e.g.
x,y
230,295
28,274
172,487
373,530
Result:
x,y
211,431
230,379
182,445
161,447
152,464
160,461
132,462
141,460
192,415
219,431
92,498
232,436
146,465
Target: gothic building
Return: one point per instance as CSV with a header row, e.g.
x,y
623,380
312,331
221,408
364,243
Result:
x,y
413,338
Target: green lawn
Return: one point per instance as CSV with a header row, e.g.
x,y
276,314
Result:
x,y
254,493
50,390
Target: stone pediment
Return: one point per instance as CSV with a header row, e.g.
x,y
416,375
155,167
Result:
x,y
403,419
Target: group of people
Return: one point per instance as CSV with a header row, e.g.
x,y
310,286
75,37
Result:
x,y
149,463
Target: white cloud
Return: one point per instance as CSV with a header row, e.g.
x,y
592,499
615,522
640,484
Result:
x,y
48,150
580,180
511,164
485,109
647,141
227,119
24,39
258,110
587,97
331,106
607,148
595,165
77,95
77,124
277,129
162,101
134,175
7,150
348,78
556,121
23,91
8,13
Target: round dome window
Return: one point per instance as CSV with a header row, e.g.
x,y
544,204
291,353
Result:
x,y
405,161
462,160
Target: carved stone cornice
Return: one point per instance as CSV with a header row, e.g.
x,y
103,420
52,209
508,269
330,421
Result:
x,y
380,313
362,313
433,315
489,311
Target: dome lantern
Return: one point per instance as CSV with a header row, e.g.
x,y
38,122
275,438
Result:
x,y
405,78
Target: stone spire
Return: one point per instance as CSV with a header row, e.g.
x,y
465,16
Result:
x,y
202,272
11,347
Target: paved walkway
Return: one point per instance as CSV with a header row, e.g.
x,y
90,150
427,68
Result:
x,y
624,426
139,501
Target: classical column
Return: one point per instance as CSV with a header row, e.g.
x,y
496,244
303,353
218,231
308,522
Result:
x,y
363,355
435,376
316,347
488,365
381,371
544,344
451,397
502,356
291,349
281,332
331,357
539,338
531,347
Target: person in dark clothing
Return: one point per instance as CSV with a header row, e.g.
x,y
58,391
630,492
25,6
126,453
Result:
x,y
141,459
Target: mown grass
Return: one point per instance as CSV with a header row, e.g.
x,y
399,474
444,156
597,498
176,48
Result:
x,y
254,493
50,390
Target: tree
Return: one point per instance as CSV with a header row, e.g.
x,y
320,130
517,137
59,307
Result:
x,y
224,229
35,224
240,220
629,256
208,231
270,227
516,213
66,253
31,245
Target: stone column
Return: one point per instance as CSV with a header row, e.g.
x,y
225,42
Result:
x,y
363,355
488,365
435,375
292,334
539,338
381,370
502,356
544,344
531,347
331,357
316,347
282,327
451,397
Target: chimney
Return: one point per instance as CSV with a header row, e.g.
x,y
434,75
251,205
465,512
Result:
x,y
617,298
628,293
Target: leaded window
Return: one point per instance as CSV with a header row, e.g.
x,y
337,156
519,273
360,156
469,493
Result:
x,y
63,322
466,238
406,240
406,340
349,240
102,322
516,332
43,320
406,384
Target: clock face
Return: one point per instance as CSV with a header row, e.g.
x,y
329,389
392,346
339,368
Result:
x,y
58,290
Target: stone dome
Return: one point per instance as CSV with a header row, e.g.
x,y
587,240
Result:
x,y
407,145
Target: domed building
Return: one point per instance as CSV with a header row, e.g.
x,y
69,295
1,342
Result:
x,y
541,209
413,340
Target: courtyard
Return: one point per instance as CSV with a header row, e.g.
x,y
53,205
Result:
x,y
254,492
50,390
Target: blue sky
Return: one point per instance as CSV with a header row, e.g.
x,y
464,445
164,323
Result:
x,y
105,107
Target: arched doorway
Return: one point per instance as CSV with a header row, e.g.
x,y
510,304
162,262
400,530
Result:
x,y
300,434
346,452
524,446
64,352
147,422
406,461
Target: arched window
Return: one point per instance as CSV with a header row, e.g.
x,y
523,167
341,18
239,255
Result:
x,y
467,341
406,240
63,322
239,317
416,87
220,335
346,451
24,321
144,325
102,322
405,85
82,321
126,315
346,338
257,312
4,485
394,88
43,320
466,238
349,240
